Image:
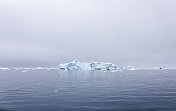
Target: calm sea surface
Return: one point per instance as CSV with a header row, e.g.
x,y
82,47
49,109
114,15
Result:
x,y
54,90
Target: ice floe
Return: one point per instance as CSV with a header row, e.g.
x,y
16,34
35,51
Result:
x,y
83,66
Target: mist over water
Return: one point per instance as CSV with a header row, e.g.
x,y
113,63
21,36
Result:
x,y
124,32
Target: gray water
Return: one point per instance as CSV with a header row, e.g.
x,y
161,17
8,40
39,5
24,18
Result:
x,y
54,90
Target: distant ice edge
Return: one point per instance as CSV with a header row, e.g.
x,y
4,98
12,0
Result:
x,y
91,66
84,66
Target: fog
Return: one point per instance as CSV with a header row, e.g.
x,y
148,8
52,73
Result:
x,y
125,32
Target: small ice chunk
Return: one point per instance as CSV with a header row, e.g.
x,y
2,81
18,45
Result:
x,y
63,66
25,71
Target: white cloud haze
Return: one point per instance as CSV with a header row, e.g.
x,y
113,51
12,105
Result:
x,y
125,32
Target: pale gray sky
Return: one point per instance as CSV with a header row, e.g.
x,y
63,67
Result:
x,y
125,32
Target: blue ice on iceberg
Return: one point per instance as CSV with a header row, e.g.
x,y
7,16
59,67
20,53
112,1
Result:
x,y
76,65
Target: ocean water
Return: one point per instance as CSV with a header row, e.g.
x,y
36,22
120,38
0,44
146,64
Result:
x,y
55,90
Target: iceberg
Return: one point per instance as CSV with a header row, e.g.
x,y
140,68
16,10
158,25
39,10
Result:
x,y
76,65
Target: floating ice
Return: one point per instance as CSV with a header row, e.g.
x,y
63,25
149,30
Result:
x,y
128,68
76,65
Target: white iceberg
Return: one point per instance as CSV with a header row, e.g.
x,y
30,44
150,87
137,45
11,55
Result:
x,y
76,65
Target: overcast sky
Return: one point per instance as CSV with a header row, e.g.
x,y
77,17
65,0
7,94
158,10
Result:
x,y
125,32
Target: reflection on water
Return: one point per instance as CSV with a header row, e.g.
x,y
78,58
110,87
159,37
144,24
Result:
x,y
54,90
